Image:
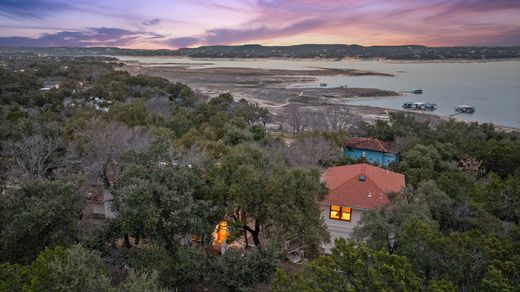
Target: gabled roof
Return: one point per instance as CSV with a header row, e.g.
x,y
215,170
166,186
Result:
x,y
369,144
347,189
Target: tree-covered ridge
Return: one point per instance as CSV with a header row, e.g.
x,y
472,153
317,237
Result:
x,y
401,52
177,163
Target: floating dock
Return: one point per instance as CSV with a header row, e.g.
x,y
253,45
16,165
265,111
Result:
x,y
420,106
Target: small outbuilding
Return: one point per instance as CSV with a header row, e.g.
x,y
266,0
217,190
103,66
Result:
x,y
372,150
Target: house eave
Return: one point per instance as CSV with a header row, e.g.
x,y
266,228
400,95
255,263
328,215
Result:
x,y
352,207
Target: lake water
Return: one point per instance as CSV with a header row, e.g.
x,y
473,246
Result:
x,y
493,88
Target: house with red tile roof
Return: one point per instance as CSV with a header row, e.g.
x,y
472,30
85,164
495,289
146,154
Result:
x,y
354,189
373,150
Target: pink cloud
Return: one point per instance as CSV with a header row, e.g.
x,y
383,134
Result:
x,y
206,22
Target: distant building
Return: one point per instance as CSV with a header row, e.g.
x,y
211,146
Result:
x,y
373,150
48,85
354,189
97,205
100,104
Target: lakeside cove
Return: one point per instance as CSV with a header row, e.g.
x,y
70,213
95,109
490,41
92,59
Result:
x,y
491,87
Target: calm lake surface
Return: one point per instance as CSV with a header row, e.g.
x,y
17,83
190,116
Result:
x,y
493,88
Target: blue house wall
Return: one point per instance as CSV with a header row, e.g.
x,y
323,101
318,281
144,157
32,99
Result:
x,y
374,157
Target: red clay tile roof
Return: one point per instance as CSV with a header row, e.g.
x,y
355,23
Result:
x,y
346,189
97,197
368,144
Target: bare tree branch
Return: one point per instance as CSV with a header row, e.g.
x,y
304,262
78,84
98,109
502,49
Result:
x,y
336,118
311,151
105,141
295,119
32,156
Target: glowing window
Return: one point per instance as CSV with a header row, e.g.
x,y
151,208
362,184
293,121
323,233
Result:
x,y
334,212
221,231
340,213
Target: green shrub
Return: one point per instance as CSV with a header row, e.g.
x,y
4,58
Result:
x,y
237,269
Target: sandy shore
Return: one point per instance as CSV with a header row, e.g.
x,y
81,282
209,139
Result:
x,y
269,87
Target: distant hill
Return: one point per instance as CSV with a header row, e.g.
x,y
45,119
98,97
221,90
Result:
x,y
336,51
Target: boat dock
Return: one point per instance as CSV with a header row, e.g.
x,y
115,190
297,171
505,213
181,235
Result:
x,y
420,106
463,109
415,91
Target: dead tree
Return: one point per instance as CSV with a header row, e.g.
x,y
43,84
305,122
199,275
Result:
x,y
104,141
160,105
294,118
297,119
311,151
318,120
336,118
32,157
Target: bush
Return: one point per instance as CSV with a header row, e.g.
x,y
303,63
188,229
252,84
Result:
x,y
13,277
74,269
184,268
38,214
142,282
237,269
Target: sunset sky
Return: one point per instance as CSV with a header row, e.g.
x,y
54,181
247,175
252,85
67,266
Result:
x,y
189,23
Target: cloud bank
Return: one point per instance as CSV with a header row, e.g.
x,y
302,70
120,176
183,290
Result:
x,y
94,36
182,23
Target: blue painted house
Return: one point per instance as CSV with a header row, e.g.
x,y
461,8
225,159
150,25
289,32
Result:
x,y
373,150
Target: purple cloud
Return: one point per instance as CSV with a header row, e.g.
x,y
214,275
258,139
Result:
x,y
152,22
368,22
229,36
484,5
94,36
30,8
183,42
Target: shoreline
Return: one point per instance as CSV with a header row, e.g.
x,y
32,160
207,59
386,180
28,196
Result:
x,y
273,87
382,60
432,116
445,117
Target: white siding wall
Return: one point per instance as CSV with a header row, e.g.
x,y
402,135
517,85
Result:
x,y
98,209
108,204
339,228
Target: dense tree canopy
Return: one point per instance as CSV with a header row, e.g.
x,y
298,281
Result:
x,y
352,267
178,163
256,185
160,201
35,216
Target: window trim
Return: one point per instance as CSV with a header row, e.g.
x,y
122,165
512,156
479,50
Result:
x,y
340,212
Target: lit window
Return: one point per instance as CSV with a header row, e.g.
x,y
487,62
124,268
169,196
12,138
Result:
x,y
334,212
221,231
340,213
345,213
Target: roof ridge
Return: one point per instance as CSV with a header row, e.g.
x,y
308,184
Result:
x,y
369,143
382,145
356,177
376,168
375,183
